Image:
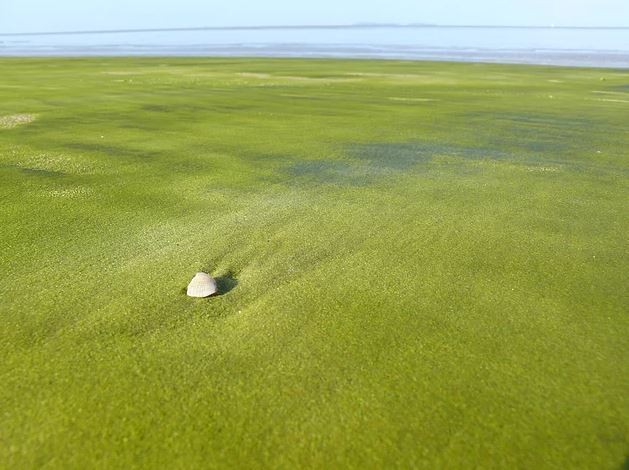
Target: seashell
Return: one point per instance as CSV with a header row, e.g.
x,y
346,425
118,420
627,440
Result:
x,y
202,285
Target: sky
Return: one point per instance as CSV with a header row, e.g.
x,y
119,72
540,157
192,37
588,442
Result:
x,y
76,15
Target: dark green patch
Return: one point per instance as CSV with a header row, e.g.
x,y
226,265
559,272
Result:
x,y
117,151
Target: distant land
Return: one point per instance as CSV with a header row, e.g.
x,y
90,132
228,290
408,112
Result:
x,y
289,27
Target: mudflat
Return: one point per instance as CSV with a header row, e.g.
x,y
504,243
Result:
x,y
419,264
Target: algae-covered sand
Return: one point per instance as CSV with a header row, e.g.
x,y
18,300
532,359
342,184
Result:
x,y
420,265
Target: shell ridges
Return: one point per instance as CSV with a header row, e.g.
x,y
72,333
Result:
x,y
202,285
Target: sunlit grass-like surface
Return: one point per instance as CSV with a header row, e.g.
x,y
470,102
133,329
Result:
x,y
421,264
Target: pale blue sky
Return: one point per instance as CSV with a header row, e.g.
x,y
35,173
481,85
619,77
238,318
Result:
x,y
60,15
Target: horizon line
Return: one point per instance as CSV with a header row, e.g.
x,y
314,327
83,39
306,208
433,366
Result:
x,y
289,27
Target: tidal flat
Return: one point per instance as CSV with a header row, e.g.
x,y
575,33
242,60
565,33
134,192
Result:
x,y
420,265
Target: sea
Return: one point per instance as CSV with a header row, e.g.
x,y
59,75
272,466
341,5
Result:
x,y
582,47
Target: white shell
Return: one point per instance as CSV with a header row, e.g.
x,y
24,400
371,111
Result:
x,y
202,285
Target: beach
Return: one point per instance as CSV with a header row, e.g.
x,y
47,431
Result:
x,y
418,264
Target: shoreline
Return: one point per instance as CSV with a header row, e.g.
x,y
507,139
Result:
x,y
551,58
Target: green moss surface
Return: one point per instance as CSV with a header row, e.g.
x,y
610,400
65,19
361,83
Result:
x,y
421,264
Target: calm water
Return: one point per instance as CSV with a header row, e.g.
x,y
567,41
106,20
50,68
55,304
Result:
x,y
582,47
